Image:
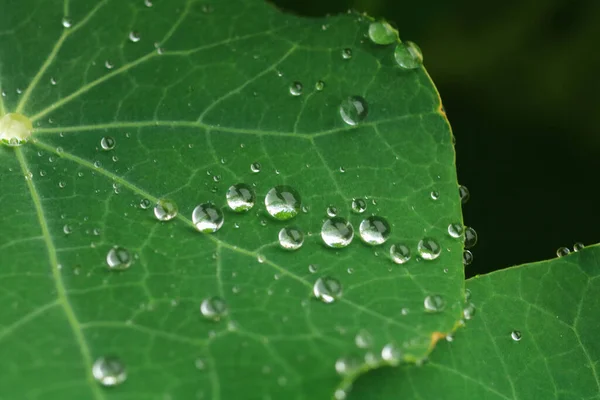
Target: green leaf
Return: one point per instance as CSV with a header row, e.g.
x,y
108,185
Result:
x,y
188,117
551,307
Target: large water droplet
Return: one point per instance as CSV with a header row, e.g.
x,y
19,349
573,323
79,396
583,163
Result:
x,y
207,218
400,253
434,303
240,197
118,258
456,230
516,335
107,143
283,202
291,238
374,230
337,232
296,88
354,109
359,206
109,371
464,194
408,55
429,248
15,129
380,32
467,257
327,289
213,308
165,210
470,237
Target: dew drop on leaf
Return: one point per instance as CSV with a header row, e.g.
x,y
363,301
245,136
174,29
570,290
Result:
x,y
408,55
455,230
107,143
108,64
291,238
145,204
67,229
346,366
434,303
327,289
67,22
109,371
337,232
516,335
134,36
391,354
400,253
331,211
578,246
429,249
363,339
347,53
118,259
374,230
296,88
207,218
283,202
312,268
359,206
381,32
469,311
470,237
562,251
213,308
353,110
255,167
464,194
434,195
467,257
165,210
320,85
240,197
15,129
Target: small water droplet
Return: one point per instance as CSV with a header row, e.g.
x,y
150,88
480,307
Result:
x,y
429,249
62,184
320,85
464,194
578,246
118,259
291,238
359,206
109,371
213,308
469,311
108,64
400,253
260,258
312,268
374,230
353,110
434,195
337,232
562,251
199,363
434,303
380,32
240,197
456,230
296,88
347,53
515,335
339,394
467,257
470,237
165,210
67,229
327,289
283,202
408,55
467,294
346,366
255,167
207,218
145,204
53,81
391,354
67,22
134,36
148,3
107,143
331,211
363,339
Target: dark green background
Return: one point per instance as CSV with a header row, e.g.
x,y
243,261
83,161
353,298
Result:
x,y
520,83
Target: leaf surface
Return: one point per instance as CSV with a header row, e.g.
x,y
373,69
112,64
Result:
x,y
552,306
200,94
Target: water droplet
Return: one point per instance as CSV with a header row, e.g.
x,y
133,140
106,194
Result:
x,y
62,184
578,246
515,335
53,81
374,230
148,3
296,88
408,55
118,259
340,394
391,354
331,211
456,230
434,303
67,22
312,268
291,238
346,366
109,371
464,194
207,218
347,53
467,257
108,64
283,202
429,248
240,197
15,129
320,85
363,339
199,363
470,237
354,109
327,289
134,36
213,308
337,232
107,143
255,167
469,311
400,253
67,229
359,206
165,210
380,32
145,204
562,251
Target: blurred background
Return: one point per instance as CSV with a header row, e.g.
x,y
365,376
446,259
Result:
x,y
520,82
